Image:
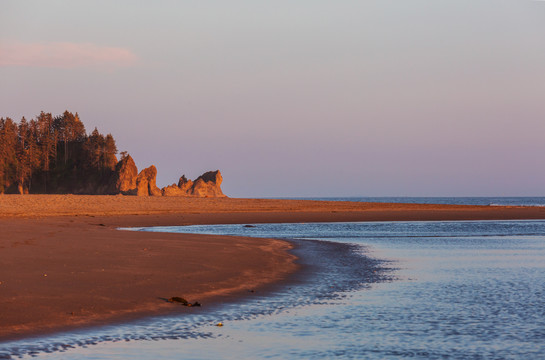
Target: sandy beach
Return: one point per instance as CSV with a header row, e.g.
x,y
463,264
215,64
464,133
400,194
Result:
x,y
64,264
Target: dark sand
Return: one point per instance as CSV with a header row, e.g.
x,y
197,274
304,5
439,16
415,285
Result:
x,y
63,264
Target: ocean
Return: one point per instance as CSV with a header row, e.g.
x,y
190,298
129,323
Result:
x,y
486,201
369,290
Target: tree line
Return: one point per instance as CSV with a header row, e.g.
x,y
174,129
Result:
x,y
54,154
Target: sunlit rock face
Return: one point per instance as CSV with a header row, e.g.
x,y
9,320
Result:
x,y
146,182
184,184
206,185
127,181
126,173
173,190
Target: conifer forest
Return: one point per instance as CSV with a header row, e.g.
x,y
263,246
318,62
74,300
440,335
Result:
x,y
54,154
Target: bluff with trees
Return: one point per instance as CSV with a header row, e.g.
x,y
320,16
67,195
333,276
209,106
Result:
x,y
54,155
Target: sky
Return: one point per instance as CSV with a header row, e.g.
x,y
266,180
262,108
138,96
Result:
x,y
299,97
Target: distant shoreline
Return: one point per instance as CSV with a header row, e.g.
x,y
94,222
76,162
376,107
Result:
x,y
64,264
38,206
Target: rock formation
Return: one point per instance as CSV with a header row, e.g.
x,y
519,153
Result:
x,y
206,185
126,173
184,184
173,190
127,181
145,183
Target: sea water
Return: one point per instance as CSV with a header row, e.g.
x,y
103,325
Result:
x,y
382,290
469,200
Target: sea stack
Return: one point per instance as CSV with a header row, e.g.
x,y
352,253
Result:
x,y
206,185
146,182
126,173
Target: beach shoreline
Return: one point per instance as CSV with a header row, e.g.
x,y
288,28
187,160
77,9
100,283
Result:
x,y
65,273
65,265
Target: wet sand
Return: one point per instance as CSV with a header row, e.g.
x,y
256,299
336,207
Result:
x,y
64,264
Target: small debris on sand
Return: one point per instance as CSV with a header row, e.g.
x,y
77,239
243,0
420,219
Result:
x,y
183,301
179,300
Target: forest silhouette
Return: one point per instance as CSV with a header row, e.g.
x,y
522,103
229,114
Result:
x,y
54,155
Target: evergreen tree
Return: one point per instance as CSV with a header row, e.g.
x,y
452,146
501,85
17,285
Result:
x,y
93,146
8,158
69,130
108,153
24,164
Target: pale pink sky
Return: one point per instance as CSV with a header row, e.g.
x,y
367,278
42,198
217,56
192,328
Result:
x,y
63,55
296,98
